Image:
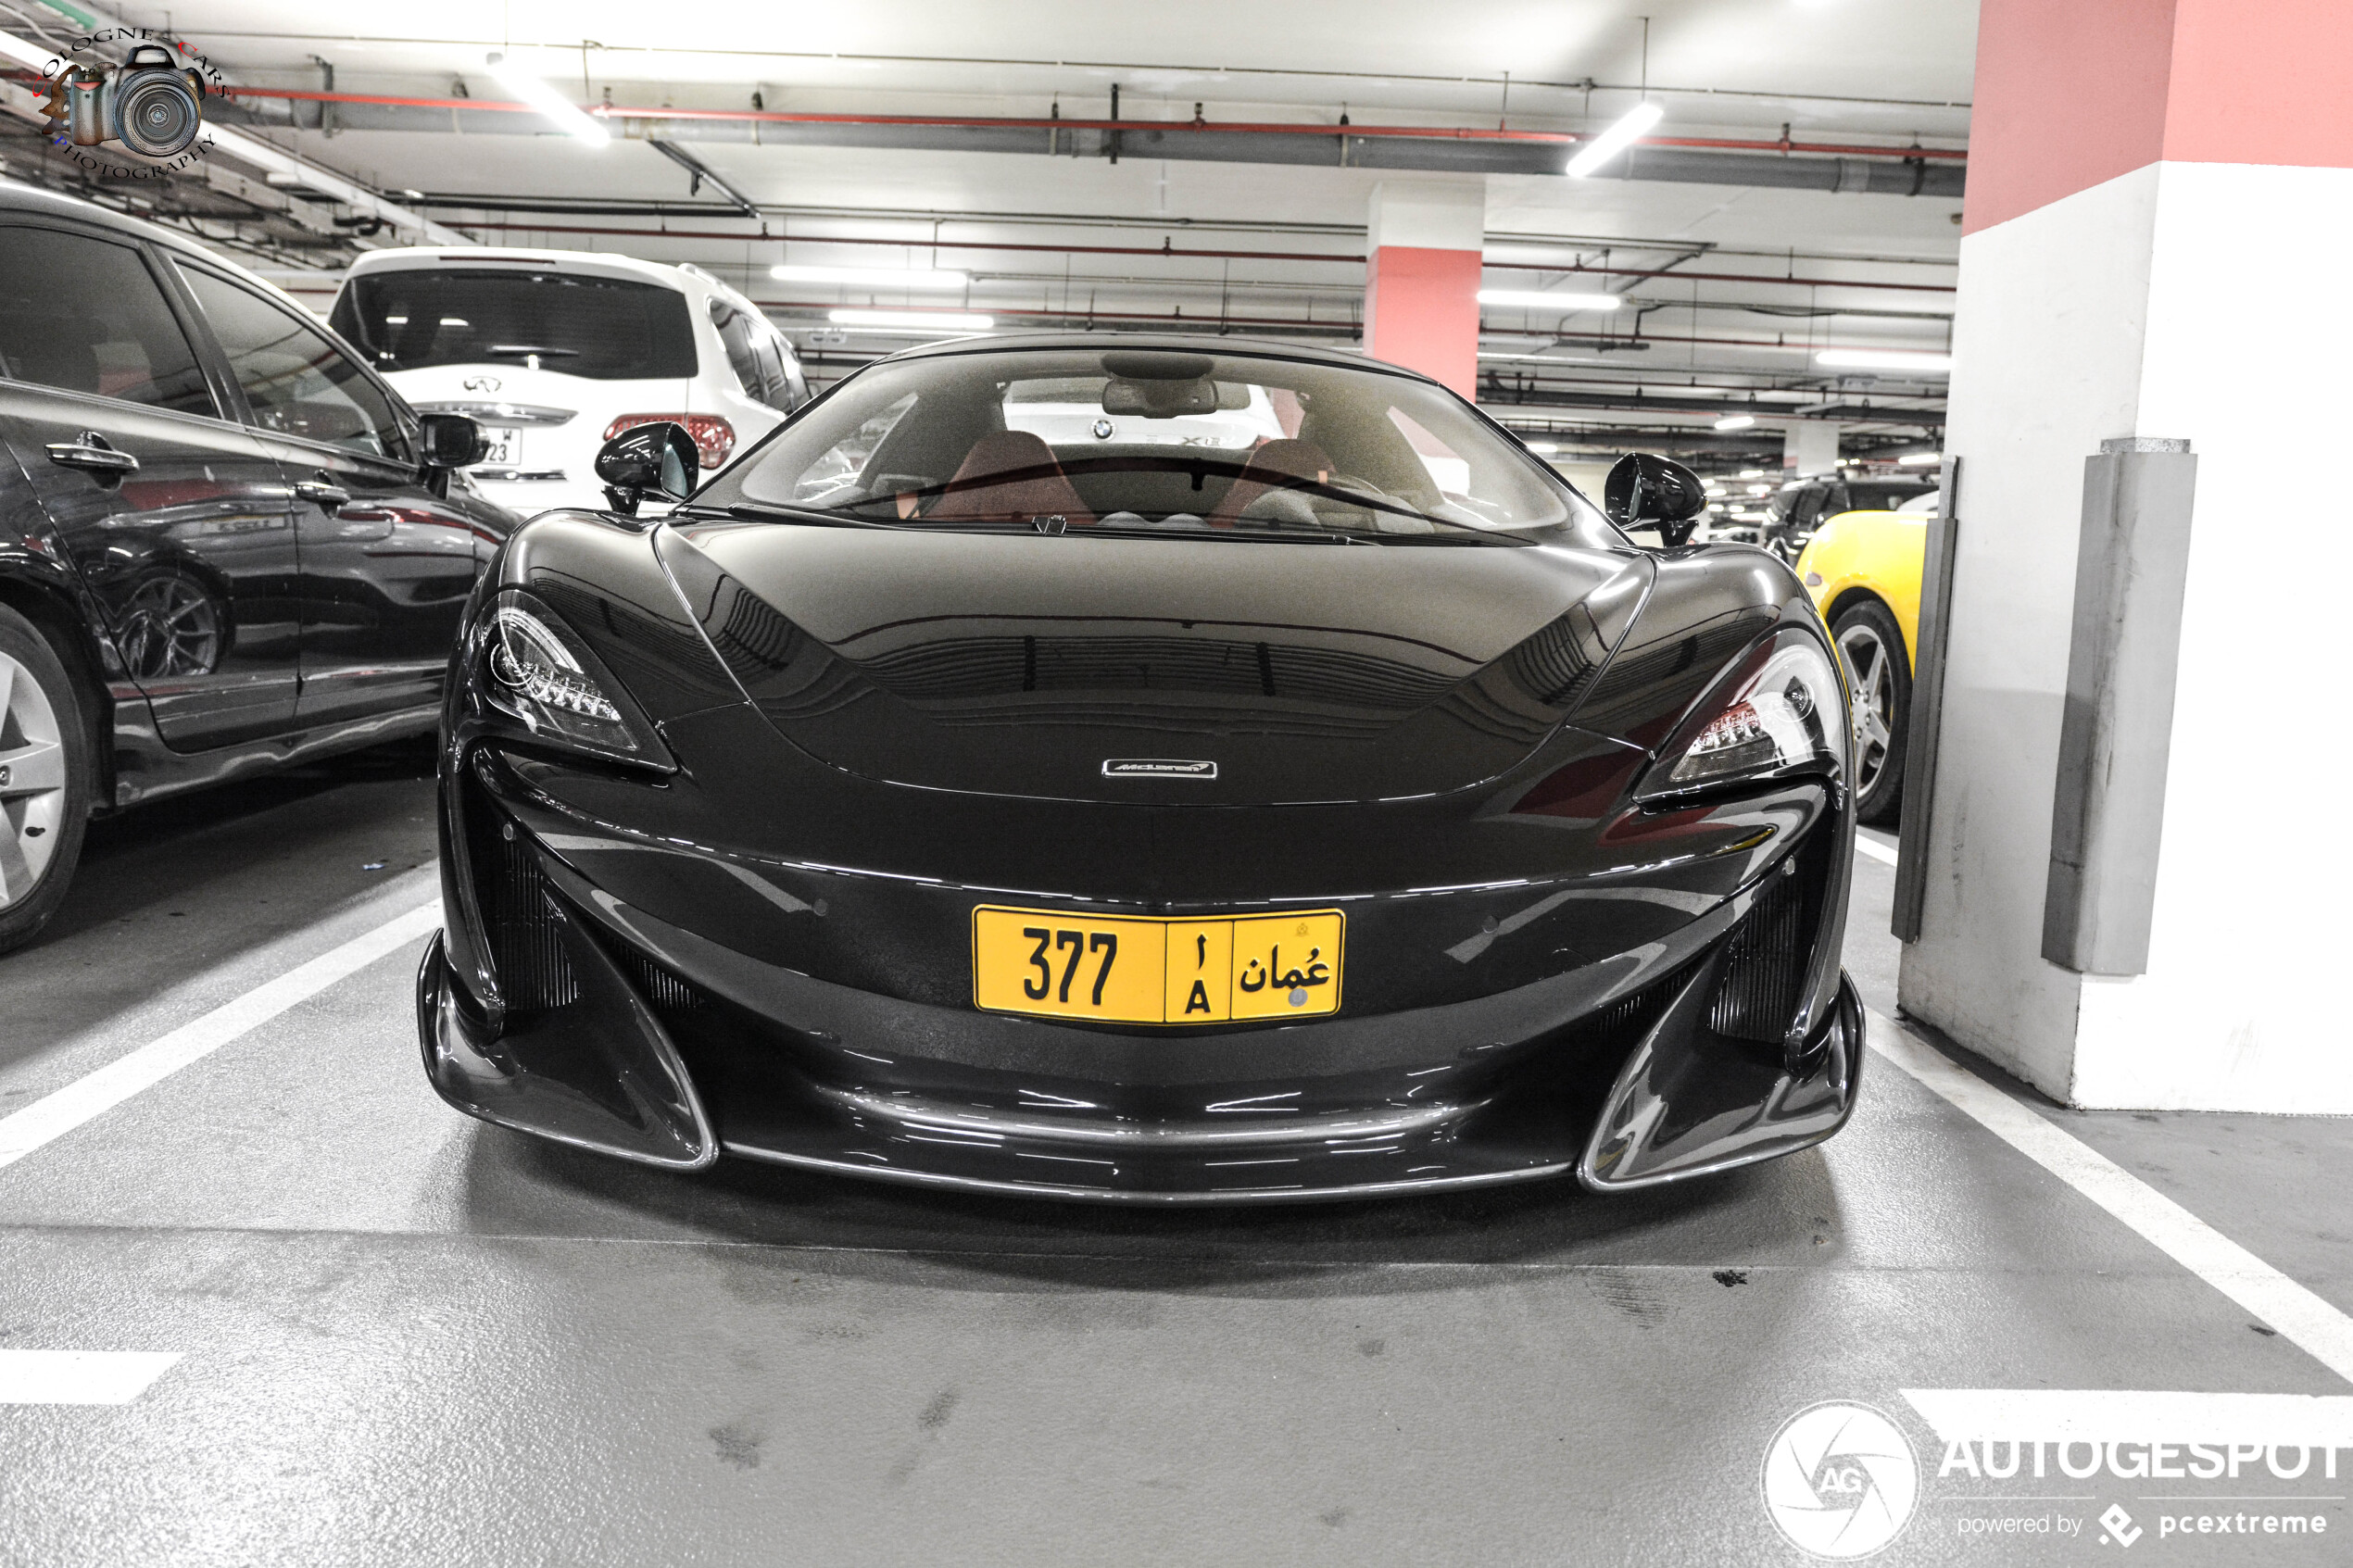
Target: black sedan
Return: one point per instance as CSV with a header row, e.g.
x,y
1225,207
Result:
x,y
226,546
1151,770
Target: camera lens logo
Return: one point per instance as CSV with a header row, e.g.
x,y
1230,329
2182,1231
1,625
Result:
x,y
151,104
1840,1480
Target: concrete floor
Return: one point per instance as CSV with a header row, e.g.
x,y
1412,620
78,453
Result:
x,y
407,1337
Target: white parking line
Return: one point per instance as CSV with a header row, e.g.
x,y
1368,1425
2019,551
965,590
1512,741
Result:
x,y
1866,845
59,1112
80,1377
2322,1331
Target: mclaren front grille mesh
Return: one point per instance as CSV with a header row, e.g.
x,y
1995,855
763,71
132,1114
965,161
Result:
x,y
526,949
1765,963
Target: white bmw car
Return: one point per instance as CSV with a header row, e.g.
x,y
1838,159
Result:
x,y
555,351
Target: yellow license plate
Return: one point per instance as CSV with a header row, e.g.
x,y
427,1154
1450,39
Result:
x,y
1055,964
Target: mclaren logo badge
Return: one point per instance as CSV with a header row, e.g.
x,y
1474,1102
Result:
x,y
1156,768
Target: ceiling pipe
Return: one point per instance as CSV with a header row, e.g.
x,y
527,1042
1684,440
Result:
x,y
1244,127
1348,257
1780,164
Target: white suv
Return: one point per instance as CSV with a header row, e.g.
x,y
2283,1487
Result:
x,y
557,351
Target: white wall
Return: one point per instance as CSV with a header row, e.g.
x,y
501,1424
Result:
x,y
2124,310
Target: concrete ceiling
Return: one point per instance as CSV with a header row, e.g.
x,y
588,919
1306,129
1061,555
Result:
x,y
1855,73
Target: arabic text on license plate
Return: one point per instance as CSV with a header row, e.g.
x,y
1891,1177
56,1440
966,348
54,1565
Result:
x,y
1118,970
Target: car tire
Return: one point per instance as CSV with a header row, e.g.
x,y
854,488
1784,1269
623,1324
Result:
x,y
1880,669
47,750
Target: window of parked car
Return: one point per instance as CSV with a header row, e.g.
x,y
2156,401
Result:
x,y
1882,495
603,328
757,355
298,383
82,314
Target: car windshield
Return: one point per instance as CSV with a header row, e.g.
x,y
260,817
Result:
x,y
604,329
1156,440
1882,495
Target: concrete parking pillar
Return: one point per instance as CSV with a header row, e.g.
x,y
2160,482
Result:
x,y
2128,160
1421,277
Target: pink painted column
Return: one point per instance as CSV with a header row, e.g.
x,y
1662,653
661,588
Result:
x,y
2128,161
1421,277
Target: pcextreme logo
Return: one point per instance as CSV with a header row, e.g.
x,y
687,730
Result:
x,y
1840,1480
150,106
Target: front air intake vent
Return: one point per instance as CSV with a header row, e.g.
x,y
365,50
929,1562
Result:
x,y
1764,963
526,948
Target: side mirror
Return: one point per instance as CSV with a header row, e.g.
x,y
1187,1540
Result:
x,y
661,457
1646,491
451,441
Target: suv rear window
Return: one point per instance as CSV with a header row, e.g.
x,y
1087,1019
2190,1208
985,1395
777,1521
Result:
x,y
604,329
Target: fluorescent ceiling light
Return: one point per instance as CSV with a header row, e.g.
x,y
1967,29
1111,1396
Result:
x,y
553,106
1752,473
1544,300
1760,489
916,320
1884,360
1921,460
872,277
1614,141
1543,448
1736,422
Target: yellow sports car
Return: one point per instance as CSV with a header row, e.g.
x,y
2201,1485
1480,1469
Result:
x,y
1863,568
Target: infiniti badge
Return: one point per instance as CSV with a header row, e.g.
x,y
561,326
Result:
x,y
1156,768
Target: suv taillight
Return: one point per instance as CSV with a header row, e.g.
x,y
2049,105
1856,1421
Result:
x,y
714,437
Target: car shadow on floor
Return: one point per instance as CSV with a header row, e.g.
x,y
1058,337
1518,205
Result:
x,y
172,847
1784,1212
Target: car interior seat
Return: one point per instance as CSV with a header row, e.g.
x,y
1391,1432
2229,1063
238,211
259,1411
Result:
x,y
1278,466
1009,475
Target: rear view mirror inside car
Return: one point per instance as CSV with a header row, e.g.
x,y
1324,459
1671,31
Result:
x,y
1159,399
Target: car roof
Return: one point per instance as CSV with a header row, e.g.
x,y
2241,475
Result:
x,y
591,263
16,196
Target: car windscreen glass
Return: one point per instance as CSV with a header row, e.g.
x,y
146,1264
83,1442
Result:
x,y
1882,495
1159,440
604,329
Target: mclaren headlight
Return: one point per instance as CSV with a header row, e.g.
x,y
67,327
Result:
x,y
537,673
1782,713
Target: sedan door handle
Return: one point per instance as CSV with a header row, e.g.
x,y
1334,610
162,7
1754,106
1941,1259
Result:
x,y
330,498
90,453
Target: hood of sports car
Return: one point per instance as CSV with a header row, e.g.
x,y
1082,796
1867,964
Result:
x,y
1155,670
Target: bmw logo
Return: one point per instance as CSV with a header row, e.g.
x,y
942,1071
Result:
x,y
1103,429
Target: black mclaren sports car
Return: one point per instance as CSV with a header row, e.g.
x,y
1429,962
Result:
x,y
1148,769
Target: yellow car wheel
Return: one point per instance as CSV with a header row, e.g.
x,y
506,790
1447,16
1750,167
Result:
x,y
1881,671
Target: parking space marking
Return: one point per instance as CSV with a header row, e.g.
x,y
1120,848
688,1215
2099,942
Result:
x,y
2129,1415
93,1095
1865,844
80,1377
2322,1331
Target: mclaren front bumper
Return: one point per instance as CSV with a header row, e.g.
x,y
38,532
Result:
x,y
667,1000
